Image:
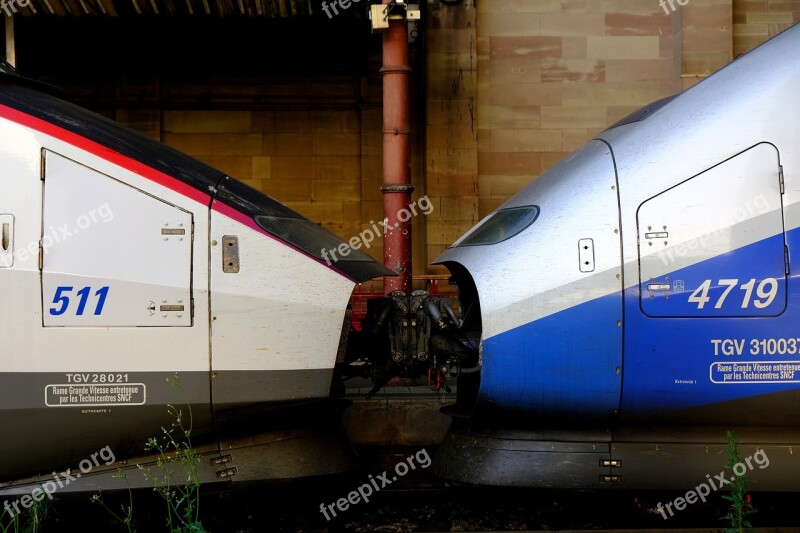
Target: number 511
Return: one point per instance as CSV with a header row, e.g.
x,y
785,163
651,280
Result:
x,y
62,300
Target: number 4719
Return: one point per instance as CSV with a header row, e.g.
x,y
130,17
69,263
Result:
x,y
765,293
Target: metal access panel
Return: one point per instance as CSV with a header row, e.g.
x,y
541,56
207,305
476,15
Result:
x,y
111,254
714,245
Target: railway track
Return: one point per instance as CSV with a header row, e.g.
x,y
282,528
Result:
x,y
257,511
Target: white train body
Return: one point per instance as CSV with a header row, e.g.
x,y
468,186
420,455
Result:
x,y
123,262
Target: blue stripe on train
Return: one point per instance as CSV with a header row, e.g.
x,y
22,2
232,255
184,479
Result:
x,y
566,363
563,363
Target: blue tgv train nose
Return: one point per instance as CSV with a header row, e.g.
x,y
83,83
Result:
x,y
651,306
552,309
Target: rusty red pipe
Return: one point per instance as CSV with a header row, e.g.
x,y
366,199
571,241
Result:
x,y
397,186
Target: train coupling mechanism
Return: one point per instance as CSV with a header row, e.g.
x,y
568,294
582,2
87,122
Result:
x,y
414,336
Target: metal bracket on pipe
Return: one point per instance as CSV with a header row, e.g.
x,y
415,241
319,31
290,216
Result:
x,y
397,188
380,13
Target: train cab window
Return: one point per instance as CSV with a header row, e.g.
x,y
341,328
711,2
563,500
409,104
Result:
x,y
112,255
500,226
307,236
714,245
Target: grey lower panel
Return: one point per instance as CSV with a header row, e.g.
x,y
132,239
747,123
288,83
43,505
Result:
x,y
681,457
254,386
655,457
517,458
55,420
303,452
684,466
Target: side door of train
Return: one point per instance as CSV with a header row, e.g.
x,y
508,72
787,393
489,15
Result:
x,y
112,301
709,328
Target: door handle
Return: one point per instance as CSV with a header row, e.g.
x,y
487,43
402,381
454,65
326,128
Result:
x,y
6,240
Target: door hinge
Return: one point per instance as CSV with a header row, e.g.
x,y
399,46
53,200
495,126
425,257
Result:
x,y
780,174
225,473
786,259
605,478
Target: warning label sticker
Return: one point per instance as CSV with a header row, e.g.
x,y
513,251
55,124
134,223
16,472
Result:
x,y
755,372
70,395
